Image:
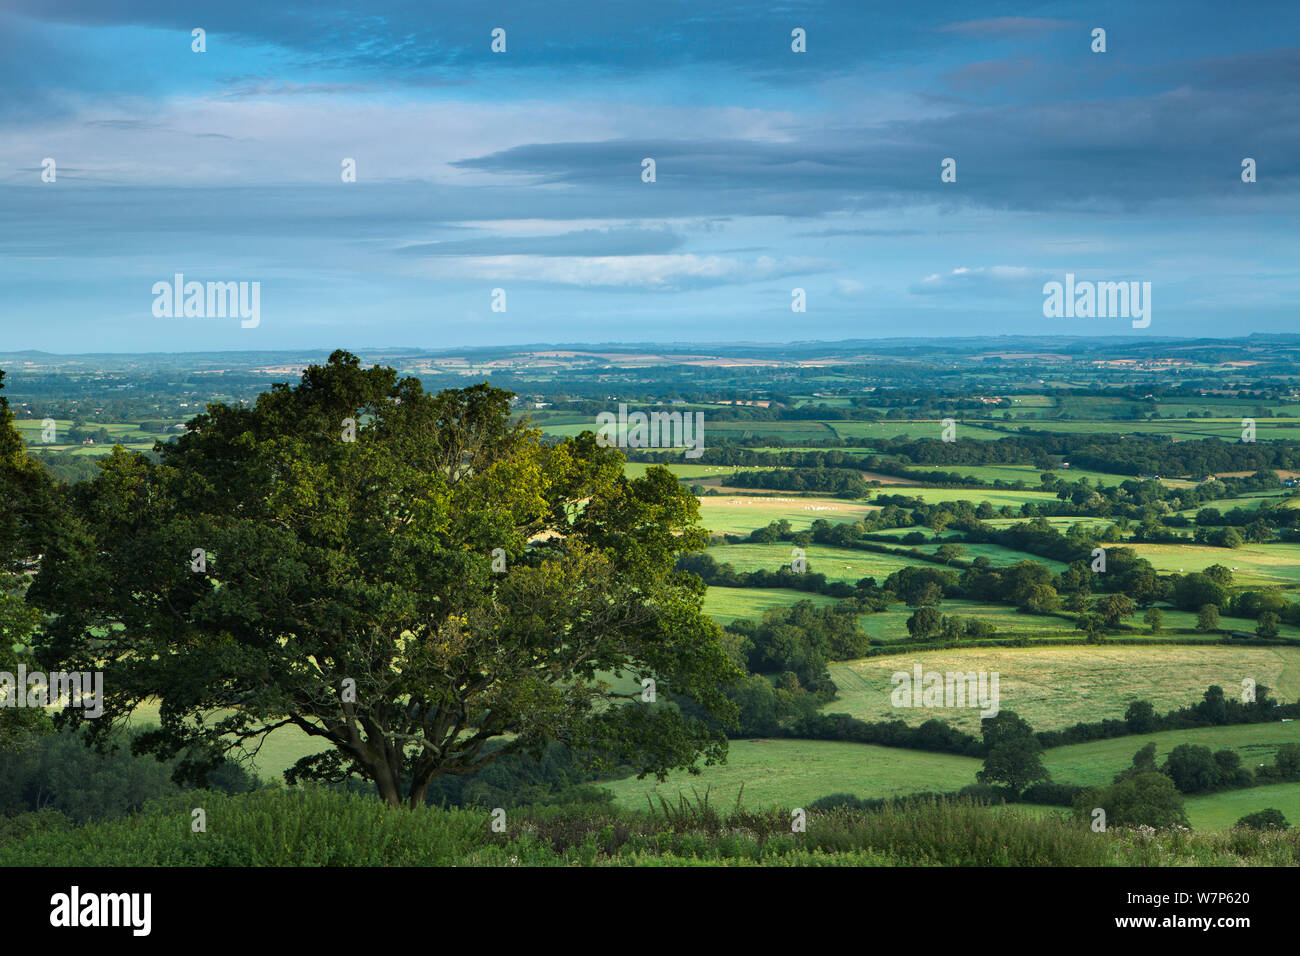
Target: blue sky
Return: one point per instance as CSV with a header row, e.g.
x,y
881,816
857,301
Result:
x,y
522,171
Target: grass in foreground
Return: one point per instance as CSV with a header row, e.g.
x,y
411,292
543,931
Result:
x,y
320,828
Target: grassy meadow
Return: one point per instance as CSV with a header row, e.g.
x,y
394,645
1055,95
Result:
x,y
1057,686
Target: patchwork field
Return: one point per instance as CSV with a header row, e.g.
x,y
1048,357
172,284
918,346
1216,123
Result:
x,y
1055,687
126,434
740,514
795,772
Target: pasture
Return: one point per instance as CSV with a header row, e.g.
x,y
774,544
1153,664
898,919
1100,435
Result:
x,y
1057,686
740,514
725,605
975,496
891,625
1219,811
790,773
838,564
1256,563
1096,762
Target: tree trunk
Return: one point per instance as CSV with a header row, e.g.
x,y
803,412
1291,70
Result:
x,y
389,787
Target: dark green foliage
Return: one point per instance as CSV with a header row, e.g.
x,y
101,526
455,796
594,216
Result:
x,y
1270,819
59,772
1147,799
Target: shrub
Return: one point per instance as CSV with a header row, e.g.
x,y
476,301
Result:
x,y
1270,819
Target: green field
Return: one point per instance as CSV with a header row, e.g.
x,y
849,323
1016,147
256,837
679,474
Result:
x,y
1060,524
685,470
1186,621
1000,556
794,772
838,564
725,605
126,434
928,428
1030,475
850,564
891,625
1189,428
974,495
280,750
1054,687
740,514
1219,811
1096,762
1254,563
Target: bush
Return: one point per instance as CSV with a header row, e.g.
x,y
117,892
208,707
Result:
x,y
1148,799
59,772
1269,819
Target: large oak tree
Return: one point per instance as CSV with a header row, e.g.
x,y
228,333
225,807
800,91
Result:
x,y
27,509
347,588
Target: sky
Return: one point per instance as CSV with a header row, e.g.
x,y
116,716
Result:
x,y
522,170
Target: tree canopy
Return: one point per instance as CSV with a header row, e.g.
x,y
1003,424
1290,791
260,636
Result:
x,y
403,576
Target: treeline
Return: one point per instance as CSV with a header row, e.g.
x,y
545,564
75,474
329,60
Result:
x,y
1120,454
785,655
839,482
724,575
1214,710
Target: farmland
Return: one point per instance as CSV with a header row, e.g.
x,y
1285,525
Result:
x,y
1054,687
725,605
794,772
737,514
987,579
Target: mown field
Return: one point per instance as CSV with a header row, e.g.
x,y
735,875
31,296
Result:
x,y
1054,687
795,772
740,514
